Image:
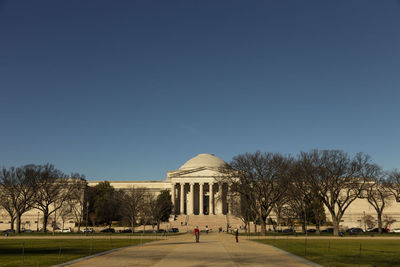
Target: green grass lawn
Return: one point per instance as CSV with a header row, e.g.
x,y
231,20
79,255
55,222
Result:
x,y
327,235
342,252
47,252
93,234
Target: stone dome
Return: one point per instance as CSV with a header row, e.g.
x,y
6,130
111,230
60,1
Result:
x,y
203,160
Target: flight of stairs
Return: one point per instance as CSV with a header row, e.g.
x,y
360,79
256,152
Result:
x,y
214,222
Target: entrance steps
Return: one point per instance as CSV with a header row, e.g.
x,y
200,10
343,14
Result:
x,y
214,222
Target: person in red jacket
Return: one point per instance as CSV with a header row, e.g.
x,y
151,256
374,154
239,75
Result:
x,y
237,235
197,234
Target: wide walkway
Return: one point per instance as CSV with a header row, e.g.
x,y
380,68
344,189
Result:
x,y
213,250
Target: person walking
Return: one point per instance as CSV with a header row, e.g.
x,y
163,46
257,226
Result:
x,y
207,229
237,235
197,234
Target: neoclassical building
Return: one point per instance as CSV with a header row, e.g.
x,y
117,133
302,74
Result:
x,y
197,194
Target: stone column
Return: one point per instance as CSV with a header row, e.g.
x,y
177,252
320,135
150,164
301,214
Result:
x,y
221,201
182,198
173,198
228,199
211,198
201,197
218,200
191,204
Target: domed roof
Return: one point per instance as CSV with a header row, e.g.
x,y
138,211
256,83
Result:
x,y
203,160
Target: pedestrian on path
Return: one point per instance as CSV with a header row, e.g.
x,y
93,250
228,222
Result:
x,y
207,229
197,234
237,235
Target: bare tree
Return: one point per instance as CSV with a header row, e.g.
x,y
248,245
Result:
x,y
379,196
369,221
298,197
146,211
53,190
65,213
278,210
133,200
303,199
18,187
159,208
240,209
336,178
7,204
260,179
393,184
318,215
289,215
77,200
388,221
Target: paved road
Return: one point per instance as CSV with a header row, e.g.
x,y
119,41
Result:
x,y
213,250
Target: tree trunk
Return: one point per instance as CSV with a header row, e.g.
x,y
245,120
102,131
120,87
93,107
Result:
x,y
263,227
335,222
12,221
45,220
380,222
18,226
317,228
255,227
303,227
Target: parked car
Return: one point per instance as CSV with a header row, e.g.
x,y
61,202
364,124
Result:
x,y
125,231
395,230
27,231
8,231
327,230
173,230
376,230
311,230
108,230
87,230
354,230
288,230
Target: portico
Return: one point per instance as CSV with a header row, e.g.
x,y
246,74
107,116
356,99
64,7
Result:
x,y
198,198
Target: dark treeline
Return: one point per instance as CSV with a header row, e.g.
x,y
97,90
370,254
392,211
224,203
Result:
x,y
298,188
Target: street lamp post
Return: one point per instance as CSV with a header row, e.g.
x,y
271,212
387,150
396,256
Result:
x,y
37,222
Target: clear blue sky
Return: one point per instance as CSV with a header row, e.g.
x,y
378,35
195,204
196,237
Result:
x,y
130,89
